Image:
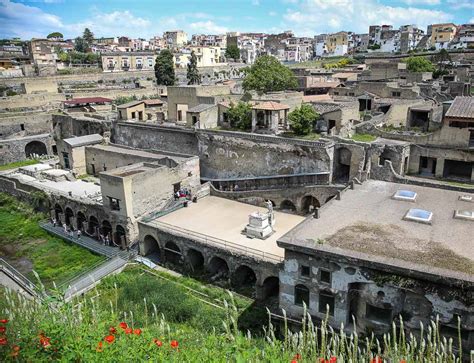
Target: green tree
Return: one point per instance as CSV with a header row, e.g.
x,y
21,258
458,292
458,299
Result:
x,y
240,115
57,35
88,36
419,64
302,119
164,68
193,73
80,45
268,75
232,51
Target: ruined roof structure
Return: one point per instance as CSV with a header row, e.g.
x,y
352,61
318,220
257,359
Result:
x,y
271,106
371,224
462,107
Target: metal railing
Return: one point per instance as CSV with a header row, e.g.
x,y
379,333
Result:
x,y
18,277
244,250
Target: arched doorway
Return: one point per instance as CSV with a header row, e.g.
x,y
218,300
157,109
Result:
x,y
173,253
58,213
35,148
195,260
120,236
309,203
106,229
218,268
288,206
271,287
243,278
151,249
80,220
68,217
93,227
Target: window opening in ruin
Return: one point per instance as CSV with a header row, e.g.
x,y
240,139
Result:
x,y
326,300
301,295
396,94
378,314
305,271
325,276
114,203
22,126
66,160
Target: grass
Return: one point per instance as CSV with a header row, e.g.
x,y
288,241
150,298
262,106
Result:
x,y
28,247
310,136
363,137
459,184
18,164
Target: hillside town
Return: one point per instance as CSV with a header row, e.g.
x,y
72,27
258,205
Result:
x,y
325,178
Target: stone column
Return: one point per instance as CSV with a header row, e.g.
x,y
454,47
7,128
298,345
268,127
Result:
x,y
254,120
439,167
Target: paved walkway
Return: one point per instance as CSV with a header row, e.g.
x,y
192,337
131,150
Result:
x,y
87,242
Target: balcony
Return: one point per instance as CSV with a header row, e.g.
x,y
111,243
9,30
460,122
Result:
x,y
110,67
139,66
125,67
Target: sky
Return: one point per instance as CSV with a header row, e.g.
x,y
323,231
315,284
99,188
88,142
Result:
x,y
146,18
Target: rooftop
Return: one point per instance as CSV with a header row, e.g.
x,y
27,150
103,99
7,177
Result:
x,y
462,107
201,107
83,140
140,153
225,219
370,220
130,104
271,106
85,100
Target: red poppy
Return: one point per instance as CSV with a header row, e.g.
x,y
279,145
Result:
x,y
158,343
174,344
99,347
2,329
333,360
16,348
137,331
3,321
112,330
294,361
123,325
322,360
3,341
109,339
128,331
403,361
297,356
376,360
45,341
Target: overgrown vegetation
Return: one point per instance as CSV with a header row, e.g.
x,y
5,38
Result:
x,y
363,137
232,51
120,100
340,64
28,247
17,164
94,328
267,74
164,68
419,64
302,119
240,116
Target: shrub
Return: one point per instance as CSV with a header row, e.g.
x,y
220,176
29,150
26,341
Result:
x,y
240,115
302,119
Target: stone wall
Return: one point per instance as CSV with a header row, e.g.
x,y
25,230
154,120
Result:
x,y
16,149
233,154
25,124
146,136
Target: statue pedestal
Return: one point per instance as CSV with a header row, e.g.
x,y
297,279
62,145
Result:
x,y
260,225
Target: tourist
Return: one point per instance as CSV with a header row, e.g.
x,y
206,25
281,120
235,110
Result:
x,y
54,222
107,241
65,227
236,188
79,234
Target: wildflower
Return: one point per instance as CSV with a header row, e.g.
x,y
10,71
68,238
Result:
x,y
3,321
45,341
15,351
3,341
109,339
123,325
128,331
322,360
294,361
174,344
99,347
376,360
297,356
333,360
2,329
403,361
112,330
158,342
137,331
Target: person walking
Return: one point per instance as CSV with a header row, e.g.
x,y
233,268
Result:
x,y
79,234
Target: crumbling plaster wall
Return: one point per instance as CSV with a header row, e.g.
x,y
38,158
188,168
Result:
x,y
232,155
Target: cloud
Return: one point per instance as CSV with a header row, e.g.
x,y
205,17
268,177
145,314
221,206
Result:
x,y
24,21
255,2
207,27
461,4
272,13
319,16
422,2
